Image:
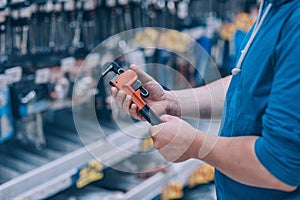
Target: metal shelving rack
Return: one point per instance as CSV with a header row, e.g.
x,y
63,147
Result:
x,y
153,186
27,173
37,174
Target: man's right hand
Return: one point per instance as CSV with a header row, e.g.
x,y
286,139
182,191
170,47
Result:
x,y
159,99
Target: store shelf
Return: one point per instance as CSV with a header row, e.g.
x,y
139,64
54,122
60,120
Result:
x,y
150,188
154,185
118,185
29,174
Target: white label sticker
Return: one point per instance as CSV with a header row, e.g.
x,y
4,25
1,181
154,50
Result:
x,y
42,76
14,74
68,64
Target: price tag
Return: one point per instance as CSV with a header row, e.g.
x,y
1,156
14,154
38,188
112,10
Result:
x,y
172,191
203,174
3,81
68,64
42,76
90,173
14,74
147,144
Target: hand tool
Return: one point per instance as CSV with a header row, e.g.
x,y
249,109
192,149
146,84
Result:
x,y
89,26
128,81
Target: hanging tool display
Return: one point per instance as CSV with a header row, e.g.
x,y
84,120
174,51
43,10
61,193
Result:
x,y
49,39
39,24
90,30
3,36
21,14
128,81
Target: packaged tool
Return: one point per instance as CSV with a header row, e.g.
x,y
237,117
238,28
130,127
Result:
x,y
20,13
30,100
6,119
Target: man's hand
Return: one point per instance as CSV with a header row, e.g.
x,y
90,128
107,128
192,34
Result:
x,y
175,139
159,99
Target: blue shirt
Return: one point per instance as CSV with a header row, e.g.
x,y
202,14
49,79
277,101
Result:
x,y
264,100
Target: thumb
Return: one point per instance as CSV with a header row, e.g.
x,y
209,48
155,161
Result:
x,y
167,118
155,130
143,76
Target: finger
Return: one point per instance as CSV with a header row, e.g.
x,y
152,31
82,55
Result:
x,y
155,130
143,76
126,103
134,112
121,95
167,118
114,92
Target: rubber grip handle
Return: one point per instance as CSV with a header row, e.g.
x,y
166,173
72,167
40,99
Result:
x,y
150,115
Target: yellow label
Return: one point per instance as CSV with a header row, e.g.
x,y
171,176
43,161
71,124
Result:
x,y
147,144
203,174
172,191
90,173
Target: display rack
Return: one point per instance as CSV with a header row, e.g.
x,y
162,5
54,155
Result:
x,y
154,185
57,168
60,162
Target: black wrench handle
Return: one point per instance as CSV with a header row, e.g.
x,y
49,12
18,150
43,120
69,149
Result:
x,y
150,115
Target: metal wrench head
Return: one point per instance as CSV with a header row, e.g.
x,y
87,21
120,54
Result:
x,y
112,67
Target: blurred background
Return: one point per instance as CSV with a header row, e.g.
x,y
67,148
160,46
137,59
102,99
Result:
x,y
48,46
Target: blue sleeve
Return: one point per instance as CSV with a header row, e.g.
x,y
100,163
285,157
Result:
x,y
279,147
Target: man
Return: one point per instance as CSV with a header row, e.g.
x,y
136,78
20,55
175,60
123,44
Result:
x,y
257,155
